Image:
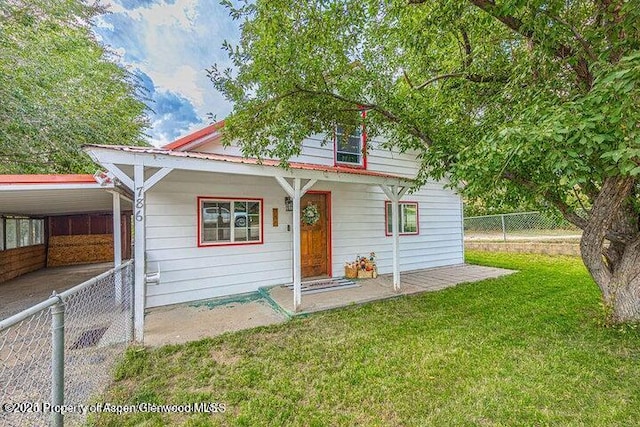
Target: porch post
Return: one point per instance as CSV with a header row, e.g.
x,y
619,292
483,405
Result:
x,y
394,194
296,192
297,266
117,245
395,209
139,217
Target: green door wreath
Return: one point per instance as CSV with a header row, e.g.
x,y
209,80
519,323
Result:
x,y
310,214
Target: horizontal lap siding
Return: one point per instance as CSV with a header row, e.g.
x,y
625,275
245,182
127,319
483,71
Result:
x,y
316,151
189,272
359,227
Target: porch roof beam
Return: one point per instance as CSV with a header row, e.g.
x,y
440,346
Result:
x,y
118,173
108,157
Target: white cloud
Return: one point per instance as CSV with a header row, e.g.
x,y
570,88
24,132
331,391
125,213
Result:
x,y
183,80
173,44
182,14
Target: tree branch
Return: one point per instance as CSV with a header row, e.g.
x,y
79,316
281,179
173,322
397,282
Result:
x,y
562,51
583,42
413,129
467,48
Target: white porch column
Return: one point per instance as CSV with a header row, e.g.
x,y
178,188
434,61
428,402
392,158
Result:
x,y
296,192
395,209
139,187
297,264
139,218
117,245
395,193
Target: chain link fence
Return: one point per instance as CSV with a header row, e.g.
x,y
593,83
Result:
x,y
522,226
62,350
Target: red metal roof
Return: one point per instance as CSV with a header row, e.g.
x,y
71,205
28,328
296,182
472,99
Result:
x,y
249,161
185,140
47,179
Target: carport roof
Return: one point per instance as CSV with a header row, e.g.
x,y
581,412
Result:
x,y
42,195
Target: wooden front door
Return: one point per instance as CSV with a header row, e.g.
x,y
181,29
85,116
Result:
x,y
314,239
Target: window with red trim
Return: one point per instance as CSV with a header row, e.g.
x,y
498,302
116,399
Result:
x,y
226,221
350,145
349,148
407,221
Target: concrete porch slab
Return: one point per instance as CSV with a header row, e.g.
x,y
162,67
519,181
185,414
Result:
x,y
181,323
412,282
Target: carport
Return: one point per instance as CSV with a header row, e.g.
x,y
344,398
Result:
x,y
61,220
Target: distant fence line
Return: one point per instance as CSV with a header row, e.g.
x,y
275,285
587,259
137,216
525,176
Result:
x,y
520,226
61,351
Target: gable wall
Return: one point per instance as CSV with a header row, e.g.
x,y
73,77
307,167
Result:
x,y
317,151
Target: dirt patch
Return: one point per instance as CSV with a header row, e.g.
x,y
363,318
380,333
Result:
x,y
224,357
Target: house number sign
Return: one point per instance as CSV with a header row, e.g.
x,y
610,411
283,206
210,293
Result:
x,y
139,203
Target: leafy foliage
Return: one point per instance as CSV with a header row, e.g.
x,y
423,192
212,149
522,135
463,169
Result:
x,y
521,103
59,90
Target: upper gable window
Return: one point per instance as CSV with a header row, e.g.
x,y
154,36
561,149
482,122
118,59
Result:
x,y
349,148
351,145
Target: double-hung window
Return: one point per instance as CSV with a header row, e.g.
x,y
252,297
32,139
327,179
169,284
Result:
x,y
407,221
224,221
350,147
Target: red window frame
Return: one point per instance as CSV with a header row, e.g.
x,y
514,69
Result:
x,y
201,199
363,164
386,218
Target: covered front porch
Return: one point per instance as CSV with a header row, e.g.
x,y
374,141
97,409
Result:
x,y
145,171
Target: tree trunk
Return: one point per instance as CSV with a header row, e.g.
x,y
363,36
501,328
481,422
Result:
x,y
615,267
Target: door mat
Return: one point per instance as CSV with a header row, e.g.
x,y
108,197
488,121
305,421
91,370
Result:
x,y
88,338
325,286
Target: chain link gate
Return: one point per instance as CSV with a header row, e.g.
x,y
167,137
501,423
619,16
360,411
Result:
x,y
61,351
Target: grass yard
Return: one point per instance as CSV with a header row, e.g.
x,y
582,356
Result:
x,y
527,349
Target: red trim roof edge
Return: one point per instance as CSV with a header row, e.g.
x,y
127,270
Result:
x,y
187,139
48,179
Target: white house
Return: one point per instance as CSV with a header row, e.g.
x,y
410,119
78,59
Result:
x,y
214,223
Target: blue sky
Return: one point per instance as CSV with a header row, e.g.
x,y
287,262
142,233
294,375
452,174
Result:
x,y
169,44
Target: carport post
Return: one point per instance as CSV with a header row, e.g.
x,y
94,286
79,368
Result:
x,y
117,247
57,360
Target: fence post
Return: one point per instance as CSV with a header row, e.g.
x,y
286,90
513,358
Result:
x,y
504,229
57,360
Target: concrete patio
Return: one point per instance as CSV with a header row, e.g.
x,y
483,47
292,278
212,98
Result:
x,y
414,282
187,322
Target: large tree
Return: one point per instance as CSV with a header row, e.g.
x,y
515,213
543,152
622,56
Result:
x,y
512,100
59,89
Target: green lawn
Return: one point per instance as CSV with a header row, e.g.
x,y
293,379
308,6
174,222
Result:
x,y
528,349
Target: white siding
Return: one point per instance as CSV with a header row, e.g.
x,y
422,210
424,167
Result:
x,y
189,272
317,151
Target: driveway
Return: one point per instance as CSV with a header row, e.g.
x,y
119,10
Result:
x,y
22,292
